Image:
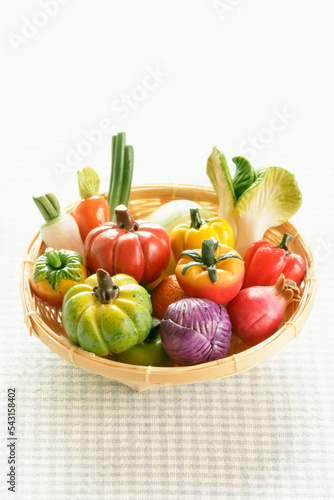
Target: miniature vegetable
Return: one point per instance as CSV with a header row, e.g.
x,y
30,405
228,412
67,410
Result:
x,y
195,331
271,199
54,273
168,216
167,292
92,210
220,177
148,353
244,175
257,312
122,162
190,235
215,272
264,263
173,213
60,229
140,249
107,314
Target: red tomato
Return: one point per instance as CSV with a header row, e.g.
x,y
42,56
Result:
x,y
91,212
140,248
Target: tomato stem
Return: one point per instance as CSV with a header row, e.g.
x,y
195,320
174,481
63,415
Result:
x,y
207,259
105,291
209,248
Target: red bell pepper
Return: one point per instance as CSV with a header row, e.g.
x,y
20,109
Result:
x,y
264,263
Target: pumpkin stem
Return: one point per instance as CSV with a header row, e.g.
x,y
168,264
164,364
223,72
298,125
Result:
x,y
105,291
124,219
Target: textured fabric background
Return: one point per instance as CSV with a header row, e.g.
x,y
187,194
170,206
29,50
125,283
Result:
x,y
229,68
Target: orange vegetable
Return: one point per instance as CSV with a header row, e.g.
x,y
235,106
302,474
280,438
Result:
x,y
214,272
93,209
54,273
166,293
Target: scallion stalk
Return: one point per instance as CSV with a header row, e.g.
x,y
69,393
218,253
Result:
x,y
127,175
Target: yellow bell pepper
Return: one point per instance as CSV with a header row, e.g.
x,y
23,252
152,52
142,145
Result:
x,y
190,235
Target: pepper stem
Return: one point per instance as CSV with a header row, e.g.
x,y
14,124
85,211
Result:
x,y
285,242
196,220
124,219
53,259
105,291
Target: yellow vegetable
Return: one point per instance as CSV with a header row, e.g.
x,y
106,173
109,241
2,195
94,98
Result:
x,y
190,235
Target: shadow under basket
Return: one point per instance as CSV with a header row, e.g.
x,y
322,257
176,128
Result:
x,y
45,323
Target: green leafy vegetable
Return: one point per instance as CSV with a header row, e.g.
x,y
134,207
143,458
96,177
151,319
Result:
x,y
255,200
270,201
244,175
220,177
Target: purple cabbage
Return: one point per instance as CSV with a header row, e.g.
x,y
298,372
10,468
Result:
x,y
195,331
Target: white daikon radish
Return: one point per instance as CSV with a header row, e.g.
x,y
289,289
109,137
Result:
x,y
60,229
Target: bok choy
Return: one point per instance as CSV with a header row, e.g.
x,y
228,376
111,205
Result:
x,y
255,200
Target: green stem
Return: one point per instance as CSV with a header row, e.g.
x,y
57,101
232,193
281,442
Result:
x,y
48,205
53,259
112,171
196,220
127,175
114,194
209,248
208,260
285,242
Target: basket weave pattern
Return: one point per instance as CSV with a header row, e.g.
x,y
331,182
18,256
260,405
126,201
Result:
x,y
45,323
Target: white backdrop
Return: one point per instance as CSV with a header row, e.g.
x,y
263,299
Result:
x,y
253,78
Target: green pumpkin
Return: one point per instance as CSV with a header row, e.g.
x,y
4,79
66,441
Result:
x,y
107,315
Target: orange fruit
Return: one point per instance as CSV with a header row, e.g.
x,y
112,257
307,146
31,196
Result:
x,y
166,293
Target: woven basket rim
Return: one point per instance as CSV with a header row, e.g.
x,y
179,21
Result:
x,y
229,365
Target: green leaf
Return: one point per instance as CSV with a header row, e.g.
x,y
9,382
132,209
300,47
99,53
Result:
x,y
220,177
89,182
244,175
270,201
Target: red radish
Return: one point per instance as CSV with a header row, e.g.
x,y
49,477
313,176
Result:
x,y
257,312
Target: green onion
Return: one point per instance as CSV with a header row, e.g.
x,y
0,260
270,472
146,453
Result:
x,y
127,175
117,173
122,162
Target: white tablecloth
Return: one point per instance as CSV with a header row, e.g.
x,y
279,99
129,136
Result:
x,y
179,78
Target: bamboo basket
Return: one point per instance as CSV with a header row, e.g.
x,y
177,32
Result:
x,y
45,323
